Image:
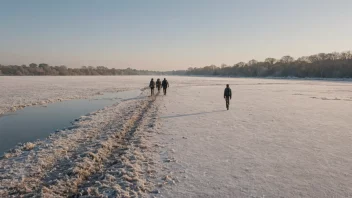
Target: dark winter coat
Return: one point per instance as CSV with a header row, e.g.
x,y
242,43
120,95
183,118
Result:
x,y
165,84
152,84
227,92
158,83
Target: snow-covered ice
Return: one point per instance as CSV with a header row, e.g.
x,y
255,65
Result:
x,y
280,138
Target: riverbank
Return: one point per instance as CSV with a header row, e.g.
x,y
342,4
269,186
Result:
x,y
105,154
37,122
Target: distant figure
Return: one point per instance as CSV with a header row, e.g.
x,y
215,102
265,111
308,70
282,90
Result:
x,y
165,85
227,96
152,86
158,84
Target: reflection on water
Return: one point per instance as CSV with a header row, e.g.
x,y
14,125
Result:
x,y
36,122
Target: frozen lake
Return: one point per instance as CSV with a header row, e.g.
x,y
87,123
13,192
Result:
x,y
280,138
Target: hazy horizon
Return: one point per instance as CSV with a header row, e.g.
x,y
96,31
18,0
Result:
x,y
161,35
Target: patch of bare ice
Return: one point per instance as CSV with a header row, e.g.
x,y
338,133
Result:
x,y
19,92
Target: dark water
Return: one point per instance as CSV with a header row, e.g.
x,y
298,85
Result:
x,y
36,122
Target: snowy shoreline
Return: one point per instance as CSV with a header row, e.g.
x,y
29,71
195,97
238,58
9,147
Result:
x,y
65,163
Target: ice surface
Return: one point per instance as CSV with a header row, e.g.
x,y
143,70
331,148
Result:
x,y
280,138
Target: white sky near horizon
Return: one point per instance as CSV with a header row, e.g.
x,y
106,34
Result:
x,y
169,35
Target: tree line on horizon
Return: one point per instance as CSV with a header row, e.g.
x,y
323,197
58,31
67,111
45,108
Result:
x,y
322,65
44,69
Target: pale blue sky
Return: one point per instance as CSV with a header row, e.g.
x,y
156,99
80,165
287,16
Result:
x,y
166,35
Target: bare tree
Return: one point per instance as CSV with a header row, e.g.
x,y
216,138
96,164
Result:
x,y
252,62
287,59
33,65
303,59
241,64
270,60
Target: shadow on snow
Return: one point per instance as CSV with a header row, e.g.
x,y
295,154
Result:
x,y
191,114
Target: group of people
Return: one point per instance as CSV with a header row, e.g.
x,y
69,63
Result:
x,y
158,84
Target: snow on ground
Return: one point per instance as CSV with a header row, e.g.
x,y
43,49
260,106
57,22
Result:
x,y
104,154
279,139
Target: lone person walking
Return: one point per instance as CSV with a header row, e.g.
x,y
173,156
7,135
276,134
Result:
x,y
227,96
152,86
165,85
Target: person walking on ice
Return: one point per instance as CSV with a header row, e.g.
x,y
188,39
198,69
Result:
x,y
227,96
152,86
165,85
158,84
